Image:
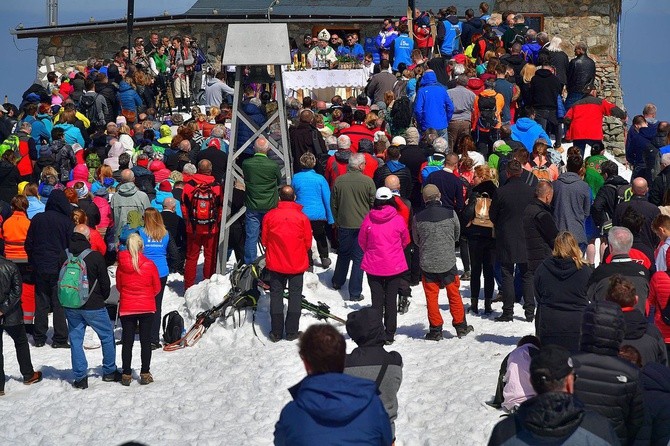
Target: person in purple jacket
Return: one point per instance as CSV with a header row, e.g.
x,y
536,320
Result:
x,y
383,237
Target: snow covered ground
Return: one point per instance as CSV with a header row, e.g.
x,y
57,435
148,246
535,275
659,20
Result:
x,y
230,387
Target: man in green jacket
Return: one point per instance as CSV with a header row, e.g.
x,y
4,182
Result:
x,y
352,197
262,177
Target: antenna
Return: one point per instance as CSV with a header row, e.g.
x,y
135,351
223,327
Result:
x,y
52,12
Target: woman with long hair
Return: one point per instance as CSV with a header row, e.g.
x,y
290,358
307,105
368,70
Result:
x,y
401,116
540,160
157,247
560,292
383,237
97,243
138,283
35,206
479,236
527,73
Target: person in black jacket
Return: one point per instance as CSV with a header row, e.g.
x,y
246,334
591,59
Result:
x,y
413,157
217,157
145,180
85,202
655,381
48,237
544,90
539,227
11,321
559,59
481,243
639,203
393,166
449,185
554,416
93,313
581,72
639,333
609,195
506,214
607,384
305,138
661,183
560,289
371,361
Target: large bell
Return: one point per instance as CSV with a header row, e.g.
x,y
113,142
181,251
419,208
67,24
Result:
x,y
258,74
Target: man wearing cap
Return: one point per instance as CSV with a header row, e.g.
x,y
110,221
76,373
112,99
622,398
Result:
x,y
585,118
554,416
435,231
322,55
352,198
506,213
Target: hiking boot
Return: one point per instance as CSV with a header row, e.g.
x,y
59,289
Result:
x,y
146,378
326,262
335,287
126,379
32,379
113,377
2,393
39,344
81,384
156,345
356,298
466,275
60,345
293,336
274,338
463,329
434,334
474,306
504,318
403,304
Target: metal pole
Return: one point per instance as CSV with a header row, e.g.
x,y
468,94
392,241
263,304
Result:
x,y
129,26
410,17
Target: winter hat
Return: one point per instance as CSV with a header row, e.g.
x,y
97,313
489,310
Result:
x,y
22,186
383,193
143,162
430,192
214,142
459,58
56,100
551,363
412,136
398,141
82,191
165,186
55,109
121,120
365,327
33,98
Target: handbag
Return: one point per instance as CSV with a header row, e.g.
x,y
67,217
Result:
x,y
130,116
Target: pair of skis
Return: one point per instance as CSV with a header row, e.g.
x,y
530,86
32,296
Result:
x,y
205,319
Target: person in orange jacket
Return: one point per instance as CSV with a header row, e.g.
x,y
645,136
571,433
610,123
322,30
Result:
x,y
287,237
486,120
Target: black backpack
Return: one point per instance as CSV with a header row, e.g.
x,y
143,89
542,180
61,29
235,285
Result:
x,y
520,36
488,118
173,327
87,107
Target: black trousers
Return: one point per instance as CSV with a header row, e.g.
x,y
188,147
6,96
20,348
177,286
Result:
x,y
156,326
508,289
18,335
278,282
482,253
384,292
129,324
464,250
319,233
46,298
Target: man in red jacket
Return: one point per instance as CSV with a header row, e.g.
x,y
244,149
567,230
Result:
x,y
202,200
287,237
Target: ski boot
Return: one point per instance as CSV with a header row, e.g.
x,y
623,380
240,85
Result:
x,y
435,333
463,329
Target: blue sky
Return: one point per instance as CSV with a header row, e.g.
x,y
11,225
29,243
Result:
x,y
643,68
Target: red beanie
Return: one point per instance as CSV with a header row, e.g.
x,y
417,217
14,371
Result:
x,y
165,186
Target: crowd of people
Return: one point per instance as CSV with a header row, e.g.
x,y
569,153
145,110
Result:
x,y
456,148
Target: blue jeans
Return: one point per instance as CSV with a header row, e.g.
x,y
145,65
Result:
x,y
98,320
252,222
349,251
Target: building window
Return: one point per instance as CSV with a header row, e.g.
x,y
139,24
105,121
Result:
x,y
534,21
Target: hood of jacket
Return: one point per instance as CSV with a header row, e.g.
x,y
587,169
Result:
x,y
383,215
636,324
78,243
543,73
212,81
569,178
561,268
429,78
58,202
342,156
394,165
552,414
80,173
525,124
602,328
124,86
65,126
333,397
616,180
156,165
162,195
452,19
655,377
127,189
475,84
165,131
201,178
365,327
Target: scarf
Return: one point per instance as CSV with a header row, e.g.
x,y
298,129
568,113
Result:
x,y
161,62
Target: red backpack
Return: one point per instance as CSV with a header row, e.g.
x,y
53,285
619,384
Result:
x,y
204,209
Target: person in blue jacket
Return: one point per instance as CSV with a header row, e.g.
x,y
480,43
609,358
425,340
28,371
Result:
x,y
164,191
39,131
329,407
449,30
401,50
313,193
127,96
352,47
72,133
432,106
526,130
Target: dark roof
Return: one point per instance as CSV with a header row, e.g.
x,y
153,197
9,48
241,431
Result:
x,y
325,8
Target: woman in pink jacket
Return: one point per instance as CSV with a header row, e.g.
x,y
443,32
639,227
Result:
x,y
138,283
382,237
